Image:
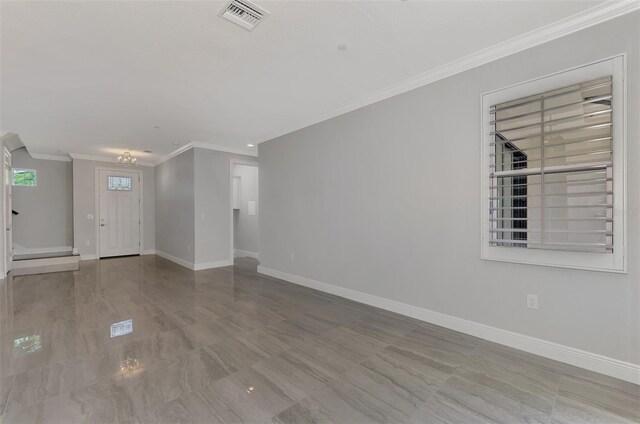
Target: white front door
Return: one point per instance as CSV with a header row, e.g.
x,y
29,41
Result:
x,y
8,212
119,210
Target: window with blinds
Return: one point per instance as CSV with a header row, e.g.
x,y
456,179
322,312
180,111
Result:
x,y
551,169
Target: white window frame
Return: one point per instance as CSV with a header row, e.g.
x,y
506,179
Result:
x,y
595,261
13,181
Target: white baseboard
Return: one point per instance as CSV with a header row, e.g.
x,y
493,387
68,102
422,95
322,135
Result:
x,y
192,266
579,358
209,265
90,257
175,259
239,252
148,252
21,250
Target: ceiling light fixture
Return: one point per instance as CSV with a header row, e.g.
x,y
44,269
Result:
x,y
251,145
126,159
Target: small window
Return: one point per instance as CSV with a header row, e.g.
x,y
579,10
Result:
x,y
119,183
554,170
25,177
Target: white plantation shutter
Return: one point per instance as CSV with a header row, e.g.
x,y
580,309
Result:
x,y
552,169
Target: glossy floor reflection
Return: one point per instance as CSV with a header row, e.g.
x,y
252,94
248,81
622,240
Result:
x,y
142,340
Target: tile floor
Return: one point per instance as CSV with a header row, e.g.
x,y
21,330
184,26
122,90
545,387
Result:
x,y
229,345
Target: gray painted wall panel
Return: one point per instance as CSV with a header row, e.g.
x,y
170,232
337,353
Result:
x,y
175,226
386,200
46,211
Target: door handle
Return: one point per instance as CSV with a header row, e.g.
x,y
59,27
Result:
x,y
103,225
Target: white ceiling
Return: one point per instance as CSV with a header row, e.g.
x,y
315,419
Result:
x,y
97,78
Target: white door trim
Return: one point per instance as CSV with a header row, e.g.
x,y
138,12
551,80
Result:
x,y
233,162
7,221
97,204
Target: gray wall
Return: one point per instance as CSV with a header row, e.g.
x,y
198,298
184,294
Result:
x,y
46,211
386,200
213,204
246,226
84,203
175,226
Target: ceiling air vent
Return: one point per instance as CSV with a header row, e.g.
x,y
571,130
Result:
x,y
244,13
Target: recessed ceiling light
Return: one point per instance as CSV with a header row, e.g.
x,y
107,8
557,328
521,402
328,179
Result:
x,y
342,46
251,145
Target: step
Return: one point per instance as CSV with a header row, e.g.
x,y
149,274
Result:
x,y
58,254
45,265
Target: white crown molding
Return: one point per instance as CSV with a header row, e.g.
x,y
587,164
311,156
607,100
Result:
x,y
544,34
107,159
567,354
173,154
44,156
207,146
239,151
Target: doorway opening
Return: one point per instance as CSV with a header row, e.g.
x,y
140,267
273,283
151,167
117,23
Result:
x,y
244,211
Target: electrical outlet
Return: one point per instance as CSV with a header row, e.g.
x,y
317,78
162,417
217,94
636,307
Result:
x,y
532,301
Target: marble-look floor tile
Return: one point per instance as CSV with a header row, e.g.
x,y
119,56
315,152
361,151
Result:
x,y
446,348
292,332
234,355
353,346
390,373
342,402
491,387
590,398
251,396
207,406
333,362
32,387
99,403
5,389
261,342
296,373
166,380
229,345
172,412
